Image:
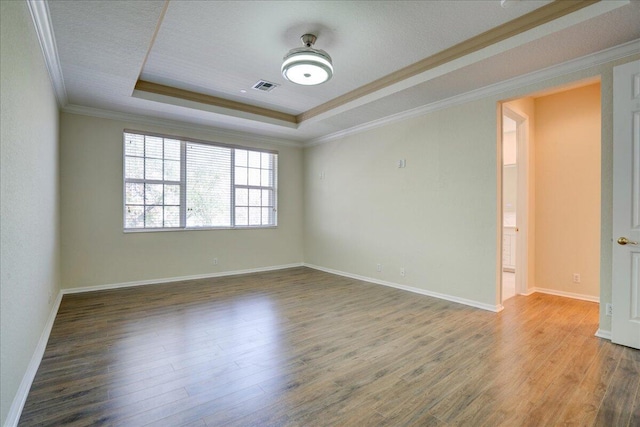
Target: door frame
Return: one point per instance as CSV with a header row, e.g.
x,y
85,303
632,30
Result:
x,y
522,203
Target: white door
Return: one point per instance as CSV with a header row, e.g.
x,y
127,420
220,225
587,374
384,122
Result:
x,y
625,327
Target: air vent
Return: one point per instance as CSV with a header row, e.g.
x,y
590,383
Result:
x,y
264,86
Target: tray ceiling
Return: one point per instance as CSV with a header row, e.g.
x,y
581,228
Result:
x,y
196,61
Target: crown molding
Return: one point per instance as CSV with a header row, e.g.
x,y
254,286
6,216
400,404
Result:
x,y
42,21
176,124
221,105
550,17
543,15
568,67
607,55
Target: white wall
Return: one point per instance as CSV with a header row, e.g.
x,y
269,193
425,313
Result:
x,y
96,251
29,197
438,217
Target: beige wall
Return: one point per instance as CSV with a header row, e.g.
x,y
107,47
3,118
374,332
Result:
x,y
437,217
567,194
95,251
29,229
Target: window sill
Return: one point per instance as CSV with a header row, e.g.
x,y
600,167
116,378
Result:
x,y
160,230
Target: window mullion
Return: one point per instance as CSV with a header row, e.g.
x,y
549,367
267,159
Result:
x,y
164,187
183,184
273,220
232,220
144,188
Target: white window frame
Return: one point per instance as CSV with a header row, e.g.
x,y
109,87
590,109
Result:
x,y
183,185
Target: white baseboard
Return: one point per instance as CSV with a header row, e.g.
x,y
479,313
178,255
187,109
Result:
x,y
27,379
177,279
603,334
23,390
476,304
565,294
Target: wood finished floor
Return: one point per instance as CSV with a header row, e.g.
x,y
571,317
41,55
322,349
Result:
x,y
300,347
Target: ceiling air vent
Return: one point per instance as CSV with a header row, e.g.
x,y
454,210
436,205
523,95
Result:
x,y
264,86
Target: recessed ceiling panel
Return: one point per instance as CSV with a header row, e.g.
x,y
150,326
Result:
x,y
222,47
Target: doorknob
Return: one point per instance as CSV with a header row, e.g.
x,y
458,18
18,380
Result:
x,y
624,241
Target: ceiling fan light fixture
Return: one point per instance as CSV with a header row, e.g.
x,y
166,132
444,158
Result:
x,y
306,65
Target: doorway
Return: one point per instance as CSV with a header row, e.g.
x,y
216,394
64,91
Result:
x,y
551,244
514,178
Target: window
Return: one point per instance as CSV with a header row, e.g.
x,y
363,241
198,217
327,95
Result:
x,y
173,184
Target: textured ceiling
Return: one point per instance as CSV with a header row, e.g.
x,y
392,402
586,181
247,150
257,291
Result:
x,y
228,46
220,48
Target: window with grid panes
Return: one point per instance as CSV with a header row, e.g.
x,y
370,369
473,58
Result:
x,y
173,183
254,188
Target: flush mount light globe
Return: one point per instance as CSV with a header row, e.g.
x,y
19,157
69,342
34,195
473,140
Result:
x,y
306,65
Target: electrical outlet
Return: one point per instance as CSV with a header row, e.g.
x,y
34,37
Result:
x,y
576,277
609,309
378,268
402,271
215,261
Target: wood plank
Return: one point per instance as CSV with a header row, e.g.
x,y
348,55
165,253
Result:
x,y
585,402
304,347
621,395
